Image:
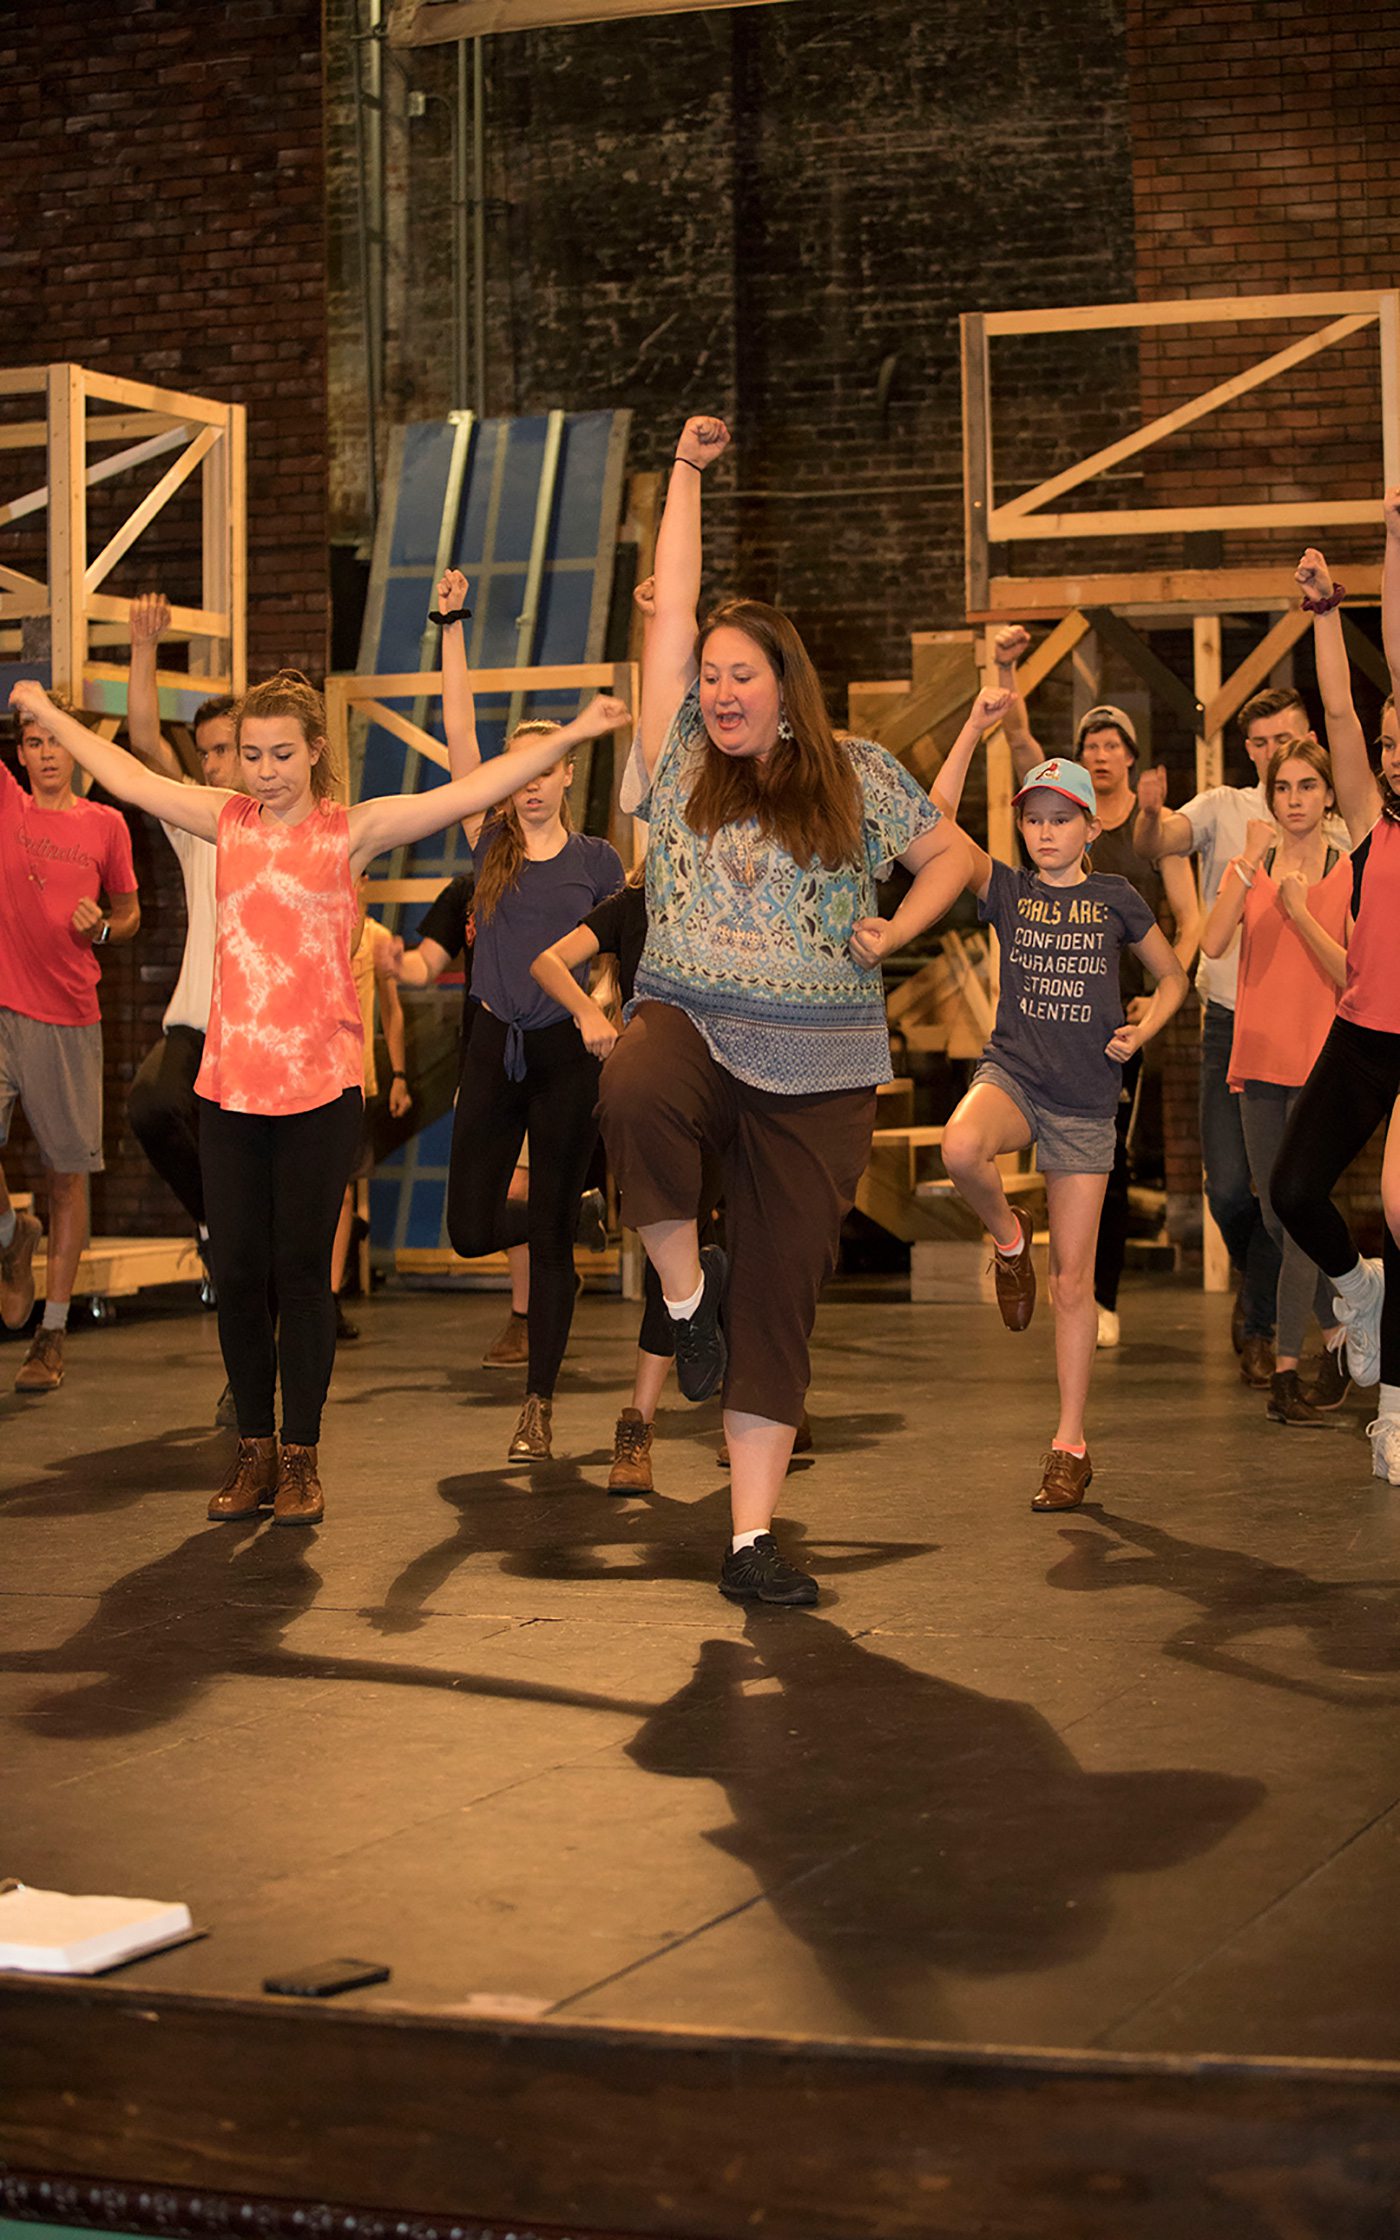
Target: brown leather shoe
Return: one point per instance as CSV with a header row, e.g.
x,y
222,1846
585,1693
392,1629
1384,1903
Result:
x,y
1066,1480
512,1349
631,1462
530,1441
1257,1363
250,1484
299,1499
1288,1404
17,1272
42,1367
1015,1277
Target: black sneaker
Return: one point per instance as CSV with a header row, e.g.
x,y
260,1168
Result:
x,y
759,1574
701,1353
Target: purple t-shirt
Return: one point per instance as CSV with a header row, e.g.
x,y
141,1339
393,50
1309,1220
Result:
x,y
1060,997
548,901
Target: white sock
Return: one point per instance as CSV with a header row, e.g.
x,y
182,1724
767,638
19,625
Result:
x,y
746,1539
1353,1286
56,1314
203,1229
681,1310
1009,1251
1389,1402
7,1229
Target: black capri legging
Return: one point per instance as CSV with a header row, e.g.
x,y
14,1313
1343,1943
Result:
x,y
1350,1092
555,1102
273,1186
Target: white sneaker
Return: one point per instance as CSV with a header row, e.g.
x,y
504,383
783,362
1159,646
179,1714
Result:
x,y
1361,1319
1384,1435
1108,1329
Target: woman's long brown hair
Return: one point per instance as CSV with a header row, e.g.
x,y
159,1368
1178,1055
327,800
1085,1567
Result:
x,y
806,796
506,855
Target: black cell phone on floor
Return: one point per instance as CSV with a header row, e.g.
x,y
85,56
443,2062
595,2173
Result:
x,y
324,1978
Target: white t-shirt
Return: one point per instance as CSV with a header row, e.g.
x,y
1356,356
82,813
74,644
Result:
x,y
1219,819
189,1005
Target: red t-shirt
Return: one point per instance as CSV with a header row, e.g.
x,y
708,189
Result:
x,y
1372,995
50,861
1287,999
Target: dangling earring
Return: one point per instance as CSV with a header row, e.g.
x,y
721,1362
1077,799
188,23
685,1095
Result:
x,y
785,731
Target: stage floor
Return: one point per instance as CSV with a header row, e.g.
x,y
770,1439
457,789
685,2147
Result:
x,y
1122,1780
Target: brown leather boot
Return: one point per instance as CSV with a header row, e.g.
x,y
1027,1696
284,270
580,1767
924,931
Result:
x,y
249,1485
631,1462
299,1496
1015,1277
530,1441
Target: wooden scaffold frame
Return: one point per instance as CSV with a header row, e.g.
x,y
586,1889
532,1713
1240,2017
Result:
x,y
209,440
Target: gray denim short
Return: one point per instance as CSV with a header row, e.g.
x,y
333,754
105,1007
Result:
x,y
56,1074
1065,1142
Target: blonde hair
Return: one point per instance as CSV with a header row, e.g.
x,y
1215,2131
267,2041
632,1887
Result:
x,y
289,693
506,853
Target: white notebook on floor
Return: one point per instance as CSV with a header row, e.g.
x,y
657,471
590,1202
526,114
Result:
x,y
46,1932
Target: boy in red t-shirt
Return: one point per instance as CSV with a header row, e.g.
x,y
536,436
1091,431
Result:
x,y
59,855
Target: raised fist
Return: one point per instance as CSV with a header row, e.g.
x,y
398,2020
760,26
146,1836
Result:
x,y
989,707
452,590
1010,642
601,715
1293,895
148,616
870,939
1259,836
86,918
702,441
1152,790
30,701
644,597
1313,576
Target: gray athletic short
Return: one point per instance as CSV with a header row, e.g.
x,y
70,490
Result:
x,y
56,1074
1065,1142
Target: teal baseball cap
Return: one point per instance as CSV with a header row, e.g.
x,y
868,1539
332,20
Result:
x,y
1069,778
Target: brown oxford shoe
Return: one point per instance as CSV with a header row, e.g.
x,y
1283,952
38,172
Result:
x,y
1015,1277
250,1484
1066,1480
299,1497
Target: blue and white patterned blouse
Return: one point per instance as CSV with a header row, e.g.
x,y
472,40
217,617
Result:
x,y
752,946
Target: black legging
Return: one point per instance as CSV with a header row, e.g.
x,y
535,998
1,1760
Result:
x,y
162,1112
1350,1092
273,1188
556,1103
1111,1249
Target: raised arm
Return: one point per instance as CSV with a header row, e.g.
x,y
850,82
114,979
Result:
x,y
1358,796
554,970
668,669
1011,641
458,700
1157,830
1390,588
987,710
1228,908
193,808
397,820
148,616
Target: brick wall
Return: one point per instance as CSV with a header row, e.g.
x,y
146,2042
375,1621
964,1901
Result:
x,y
161,217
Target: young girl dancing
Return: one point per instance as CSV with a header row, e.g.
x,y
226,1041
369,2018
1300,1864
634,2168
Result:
x,y
1290,891
1352,1089
1052,1071
282,1072
758,1025
523,1065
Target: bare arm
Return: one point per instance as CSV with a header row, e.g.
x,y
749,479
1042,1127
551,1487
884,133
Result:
x,y
1330,954
1157,830
458,700
193,808
987,710
421,967
668,669
1390,588
122,918
1184,903
553,968
397,820
939,863
1228,908
149,615
1358,796
1154,952
1007,648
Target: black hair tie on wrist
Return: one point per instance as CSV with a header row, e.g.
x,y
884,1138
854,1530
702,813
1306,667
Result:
x,y
458,614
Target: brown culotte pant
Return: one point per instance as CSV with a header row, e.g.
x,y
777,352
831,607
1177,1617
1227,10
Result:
x,y
790,1166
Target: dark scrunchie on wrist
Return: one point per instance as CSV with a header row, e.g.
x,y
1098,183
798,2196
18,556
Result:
x,y
1325,606
458,614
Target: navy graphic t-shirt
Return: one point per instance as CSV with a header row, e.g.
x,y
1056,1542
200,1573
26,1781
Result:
x,y
1060,998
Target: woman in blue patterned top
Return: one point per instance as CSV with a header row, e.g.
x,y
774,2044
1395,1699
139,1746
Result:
x,y
758,1024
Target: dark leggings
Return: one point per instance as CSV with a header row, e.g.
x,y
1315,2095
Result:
x,y
1350,1092
273,1189
555,1103
1112,1246
162,1112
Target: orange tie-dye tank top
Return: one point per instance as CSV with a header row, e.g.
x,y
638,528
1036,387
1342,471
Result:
x,y
284,1024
